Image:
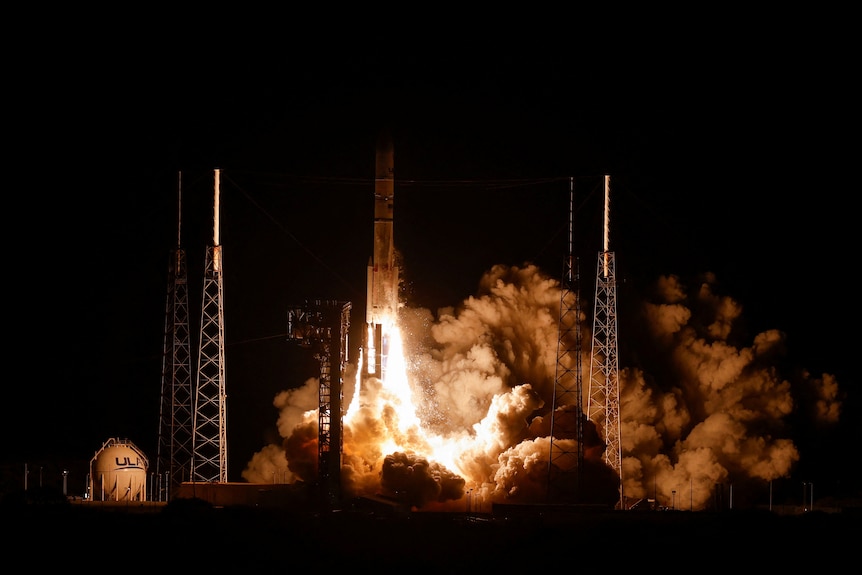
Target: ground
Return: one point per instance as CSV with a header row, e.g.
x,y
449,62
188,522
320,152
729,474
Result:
x,y
196,535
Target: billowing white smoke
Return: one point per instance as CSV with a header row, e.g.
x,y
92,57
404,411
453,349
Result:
x,y
700,412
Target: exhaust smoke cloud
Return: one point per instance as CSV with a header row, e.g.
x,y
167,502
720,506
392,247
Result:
x,y
464,411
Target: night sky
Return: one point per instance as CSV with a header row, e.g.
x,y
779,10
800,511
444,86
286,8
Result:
x,y
728,167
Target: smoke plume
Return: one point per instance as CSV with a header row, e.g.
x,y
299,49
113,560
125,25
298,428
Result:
x,y
698,407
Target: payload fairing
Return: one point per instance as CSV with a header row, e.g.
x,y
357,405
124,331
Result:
x,y
382,294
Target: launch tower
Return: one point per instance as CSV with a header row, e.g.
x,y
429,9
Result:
x,y
323,327
565,465
209,460
604,394
173,464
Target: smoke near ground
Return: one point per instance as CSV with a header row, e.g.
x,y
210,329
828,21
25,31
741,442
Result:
x,y
699,405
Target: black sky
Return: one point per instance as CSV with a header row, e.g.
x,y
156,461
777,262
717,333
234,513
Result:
x,y
729,166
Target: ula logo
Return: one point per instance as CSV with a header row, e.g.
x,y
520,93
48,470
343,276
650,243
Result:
x,y
127,462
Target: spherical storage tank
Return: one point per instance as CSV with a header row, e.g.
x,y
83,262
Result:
x,y
118,472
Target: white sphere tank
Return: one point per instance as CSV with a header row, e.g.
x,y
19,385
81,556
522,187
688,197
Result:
x,y
118,472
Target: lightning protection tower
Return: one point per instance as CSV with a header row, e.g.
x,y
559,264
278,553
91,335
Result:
x,y
565,462
604,394
322,327
173,464
210,425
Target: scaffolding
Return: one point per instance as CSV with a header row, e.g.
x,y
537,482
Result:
x,y
322,327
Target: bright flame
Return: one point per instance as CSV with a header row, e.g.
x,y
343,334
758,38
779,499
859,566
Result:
x,y
394,399
371,351
465,456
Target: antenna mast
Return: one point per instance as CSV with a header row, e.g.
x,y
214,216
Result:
x,y
604,402
210,425
173,464
566,460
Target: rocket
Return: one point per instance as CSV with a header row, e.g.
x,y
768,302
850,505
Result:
x,y
382,294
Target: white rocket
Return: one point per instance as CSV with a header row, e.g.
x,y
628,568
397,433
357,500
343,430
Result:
x,y
382,303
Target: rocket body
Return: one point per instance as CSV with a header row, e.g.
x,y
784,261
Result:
x,y
382,290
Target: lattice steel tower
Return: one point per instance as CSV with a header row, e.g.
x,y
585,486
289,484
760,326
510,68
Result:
x,y
323,327
210,414
565,463
173,464
604,402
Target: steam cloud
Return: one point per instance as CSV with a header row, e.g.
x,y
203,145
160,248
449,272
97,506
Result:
x,y
702,410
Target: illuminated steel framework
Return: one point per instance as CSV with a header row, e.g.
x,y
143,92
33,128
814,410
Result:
x,y
209,462
173,464
604,392
323,326
565,463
